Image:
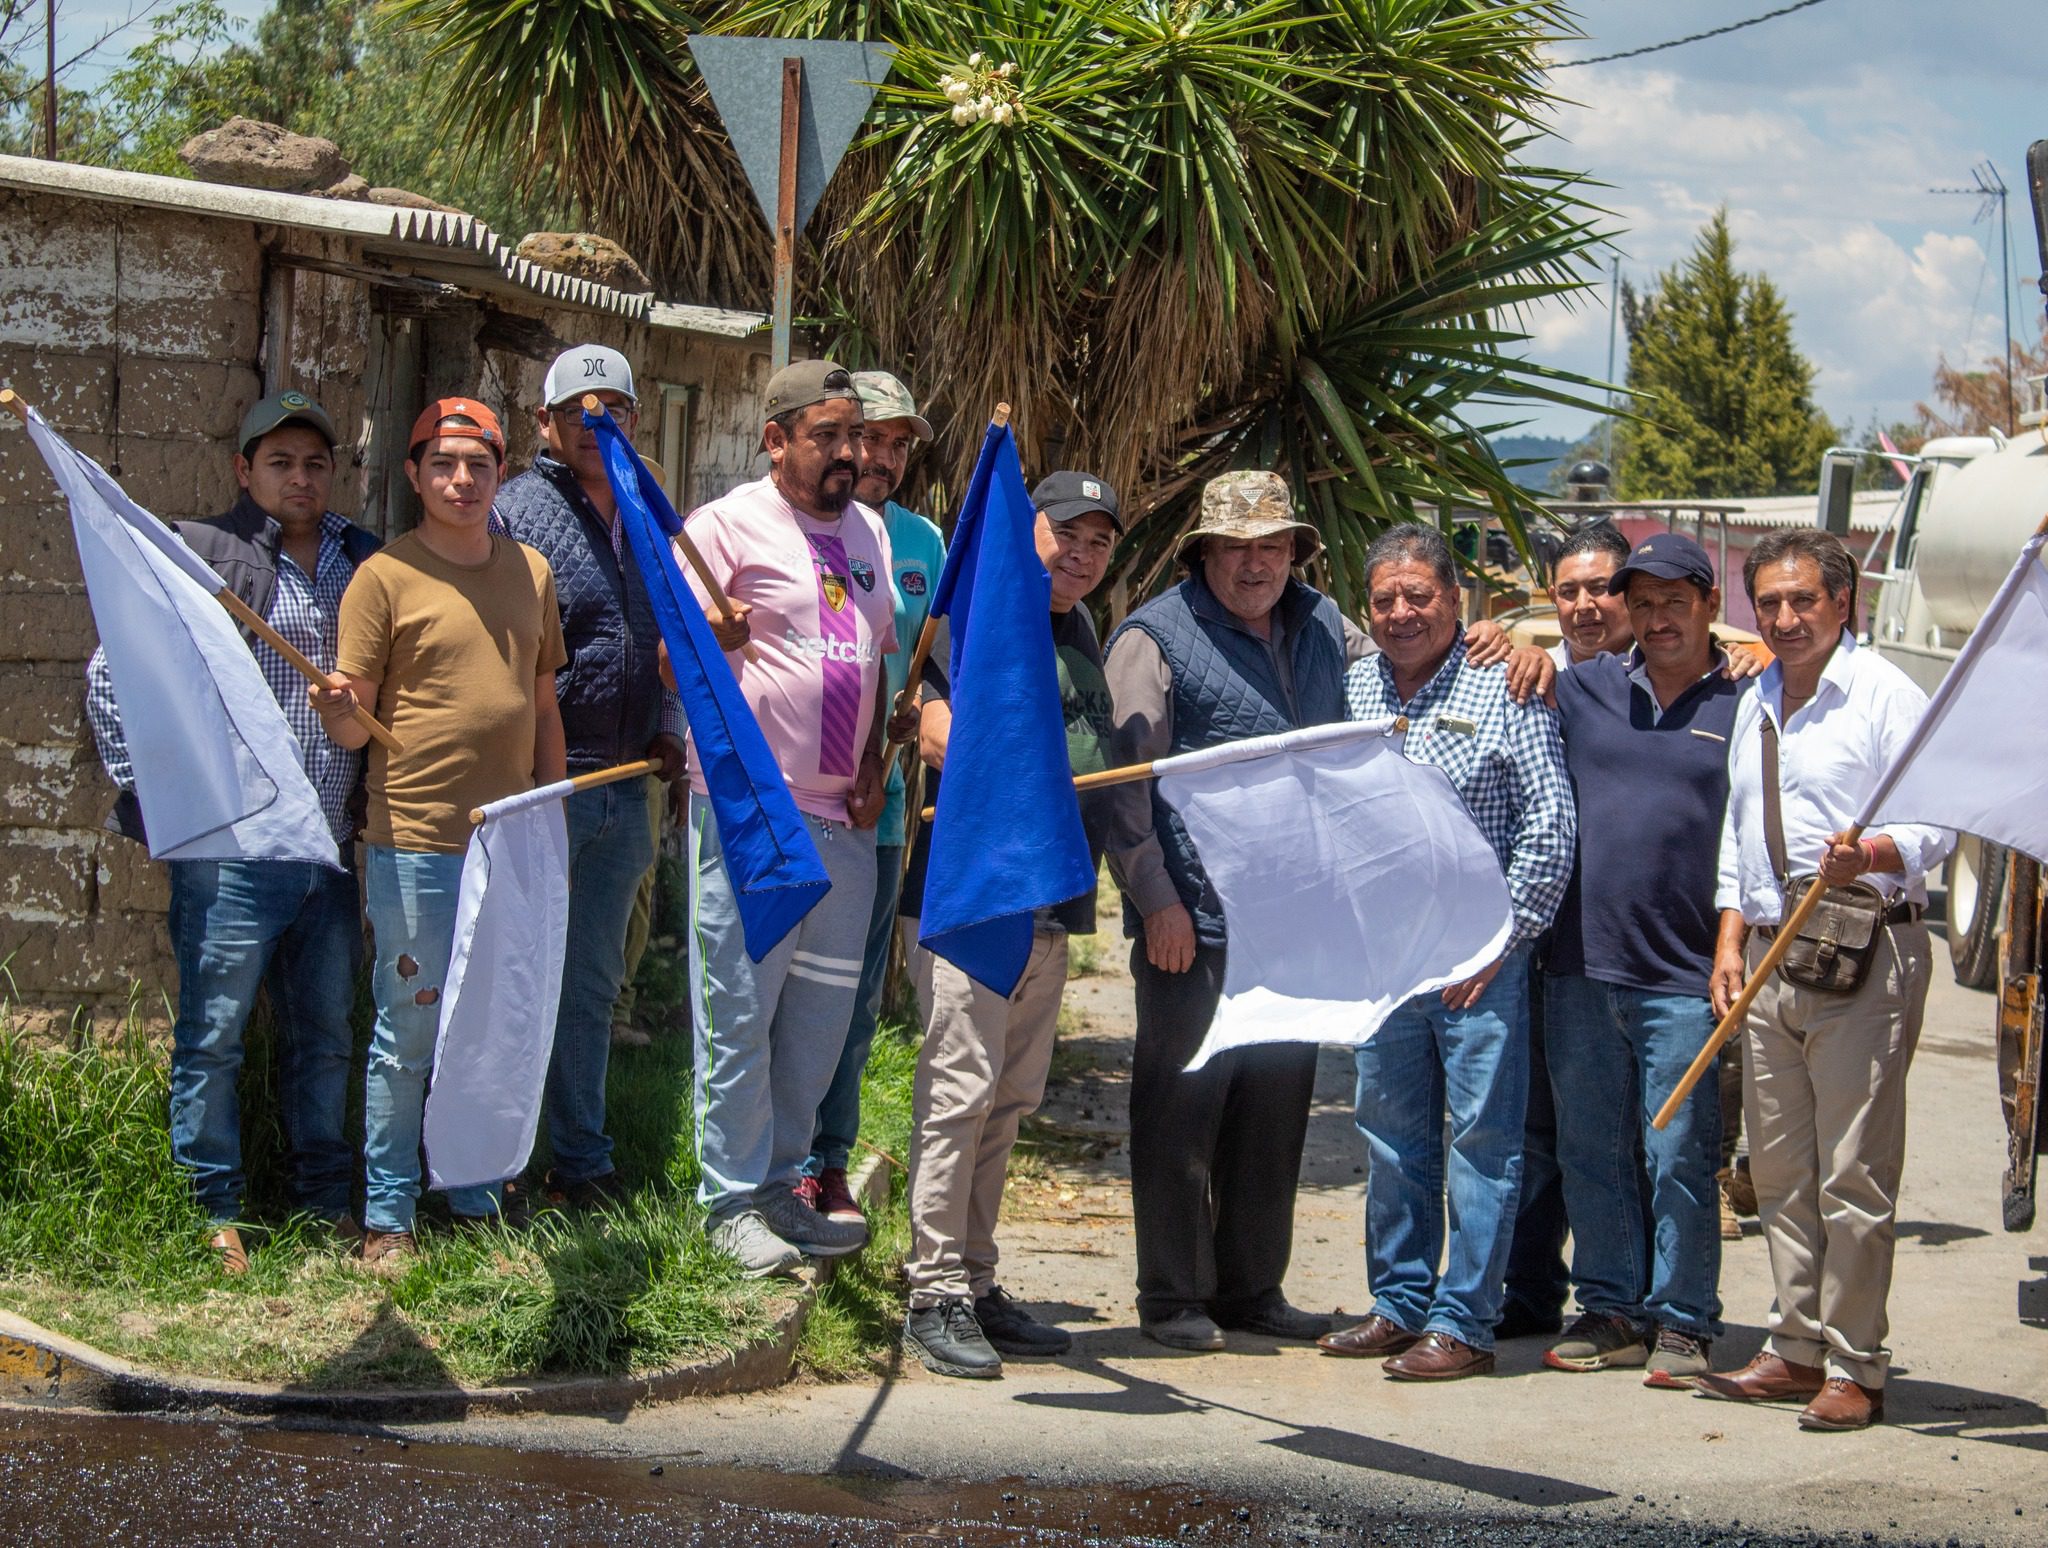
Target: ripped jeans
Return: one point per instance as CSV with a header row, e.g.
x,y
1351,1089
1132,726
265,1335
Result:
x,y
411,895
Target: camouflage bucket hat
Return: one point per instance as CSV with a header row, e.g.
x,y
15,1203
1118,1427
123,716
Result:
x,y
1249,505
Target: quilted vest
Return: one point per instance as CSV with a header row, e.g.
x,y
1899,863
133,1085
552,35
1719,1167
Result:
x,y
610,690
1225,689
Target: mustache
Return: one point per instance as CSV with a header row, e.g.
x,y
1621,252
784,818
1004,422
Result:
x,y
843,466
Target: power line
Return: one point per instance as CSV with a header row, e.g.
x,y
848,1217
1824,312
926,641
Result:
x,y
1697,37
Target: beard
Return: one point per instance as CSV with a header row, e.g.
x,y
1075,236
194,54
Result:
x,y
836,498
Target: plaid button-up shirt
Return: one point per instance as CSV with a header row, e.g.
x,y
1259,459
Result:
x,y
1507,762
305,610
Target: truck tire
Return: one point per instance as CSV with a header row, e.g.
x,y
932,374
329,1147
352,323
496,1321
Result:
x,y
1975,878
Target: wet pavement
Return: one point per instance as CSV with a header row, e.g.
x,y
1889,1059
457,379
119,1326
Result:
x,y
71,1481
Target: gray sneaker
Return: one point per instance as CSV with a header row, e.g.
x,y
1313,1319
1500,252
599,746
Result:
x,y
790,1218
746,1239
1598,1341
1677,1358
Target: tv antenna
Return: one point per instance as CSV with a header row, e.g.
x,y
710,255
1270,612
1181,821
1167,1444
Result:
x,y
1988,188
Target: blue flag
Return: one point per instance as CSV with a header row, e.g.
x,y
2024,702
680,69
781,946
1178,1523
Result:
x,y
776,874
1007,836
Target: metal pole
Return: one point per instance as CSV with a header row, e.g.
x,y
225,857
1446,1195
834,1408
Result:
x,y
50,80
2012,423
785,206
1613,319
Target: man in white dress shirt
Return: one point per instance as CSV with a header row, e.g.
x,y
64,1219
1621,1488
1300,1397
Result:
x,y
1826,1098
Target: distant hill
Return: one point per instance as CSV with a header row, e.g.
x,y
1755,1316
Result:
x,y
1550,453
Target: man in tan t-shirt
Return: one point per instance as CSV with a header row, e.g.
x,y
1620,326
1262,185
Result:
x,y
452,635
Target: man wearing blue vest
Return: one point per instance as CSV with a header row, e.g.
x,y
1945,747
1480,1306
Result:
x,y
1239,648
614,710
1626,1002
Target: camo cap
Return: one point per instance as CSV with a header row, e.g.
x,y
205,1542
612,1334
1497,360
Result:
x,y
1249,505
883,396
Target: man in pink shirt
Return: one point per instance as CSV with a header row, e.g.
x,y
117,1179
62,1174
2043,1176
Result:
x,y
807,570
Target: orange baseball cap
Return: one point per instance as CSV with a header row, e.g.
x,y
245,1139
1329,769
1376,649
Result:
x,y
433,419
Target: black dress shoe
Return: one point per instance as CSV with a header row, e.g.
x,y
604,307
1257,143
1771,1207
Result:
x,y
1191,1330
1518,1319
1272,1316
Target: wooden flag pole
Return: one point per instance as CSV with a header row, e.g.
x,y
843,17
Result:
x,y
929,634
592,780
257,624
1731,1023
592,404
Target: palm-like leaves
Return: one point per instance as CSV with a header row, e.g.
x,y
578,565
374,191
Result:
x,y
1202,235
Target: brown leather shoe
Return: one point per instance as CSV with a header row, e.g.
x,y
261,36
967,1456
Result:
x,y
1373,1339
346,1234
1766,1379
1844,1405
1439,1357
227,1246
389,1253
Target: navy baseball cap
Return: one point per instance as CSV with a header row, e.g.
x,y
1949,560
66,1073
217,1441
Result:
x,y
1065,495
1667,556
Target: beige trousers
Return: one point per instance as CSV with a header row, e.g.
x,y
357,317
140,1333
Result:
x,y
981,1070
1826,1109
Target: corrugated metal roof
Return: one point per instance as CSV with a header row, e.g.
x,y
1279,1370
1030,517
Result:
x,y
453,246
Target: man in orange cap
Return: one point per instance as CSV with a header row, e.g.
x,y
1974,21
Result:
x,y
452,637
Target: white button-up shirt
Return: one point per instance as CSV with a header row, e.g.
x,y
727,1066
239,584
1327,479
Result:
x,y
1831,754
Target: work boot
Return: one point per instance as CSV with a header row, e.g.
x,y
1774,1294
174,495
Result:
x,y
790,1218
1014,1331
747,1240
948,1339
226,1244
1598,1341
388,1254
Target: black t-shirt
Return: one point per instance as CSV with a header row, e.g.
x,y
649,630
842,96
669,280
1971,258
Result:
x,y
1085,706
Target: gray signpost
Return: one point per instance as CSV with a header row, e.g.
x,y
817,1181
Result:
x,y
791,107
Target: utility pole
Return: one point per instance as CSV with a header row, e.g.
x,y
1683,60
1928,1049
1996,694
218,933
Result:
x,y
50,80
1989,187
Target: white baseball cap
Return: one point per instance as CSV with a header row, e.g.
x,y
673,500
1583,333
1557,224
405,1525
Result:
x,y
587,368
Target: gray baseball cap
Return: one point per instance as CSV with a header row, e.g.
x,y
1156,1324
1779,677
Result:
x,y
587,368
883,396
284,408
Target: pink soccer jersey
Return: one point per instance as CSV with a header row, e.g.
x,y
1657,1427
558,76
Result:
x,y
822,619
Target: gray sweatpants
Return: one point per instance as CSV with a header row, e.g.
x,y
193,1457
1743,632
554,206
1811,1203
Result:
x,y
768,1034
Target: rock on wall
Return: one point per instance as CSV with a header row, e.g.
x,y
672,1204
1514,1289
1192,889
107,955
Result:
x,y
136,334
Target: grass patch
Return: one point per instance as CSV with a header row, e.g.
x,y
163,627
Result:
x,y
100,1238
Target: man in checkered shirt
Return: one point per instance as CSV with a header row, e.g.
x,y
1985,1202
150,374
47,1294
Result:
x,y
1465,1047
238,924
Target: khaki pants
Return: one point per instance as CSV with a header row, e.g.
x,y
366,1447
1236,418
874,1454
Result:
x,y
1826,1109
981,1069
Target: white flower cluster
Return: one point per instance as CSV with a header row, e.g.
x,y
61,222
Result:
x,y
987,91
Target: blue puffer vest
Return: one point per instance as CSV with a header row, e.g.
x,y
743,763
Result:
x,y
610,691
1225,689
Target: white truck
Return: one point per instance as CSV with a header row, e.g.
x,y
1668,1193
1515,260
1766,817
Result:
x,y
1969,506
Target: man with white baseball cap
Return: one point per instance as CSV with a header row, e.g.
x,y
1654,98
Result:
x,y
614,710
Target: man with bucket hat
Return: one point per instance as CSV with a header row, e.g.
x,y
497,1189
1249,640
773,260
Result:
x,y
1241,647
237,925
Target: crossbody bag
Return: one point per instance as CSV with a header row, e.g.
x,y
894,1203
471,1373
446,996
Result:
x,y
1836,945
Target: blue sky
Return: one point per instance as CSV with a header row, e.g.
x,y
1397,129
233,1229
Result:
x,y
1821,132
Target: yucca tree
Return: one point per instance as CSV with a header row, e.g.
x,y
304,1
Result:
x,y
1179,236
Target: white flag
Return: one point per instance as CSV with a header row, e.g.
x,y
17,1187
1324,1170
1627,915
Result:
x,y
217,769
504,981
1978,761
1350,877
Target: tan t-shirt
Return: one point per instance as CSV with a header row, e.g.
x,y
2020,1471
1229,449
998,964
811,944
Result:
x,y
455,650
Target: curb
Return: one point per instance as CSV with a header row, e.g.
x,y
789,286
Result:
x,y
47,1369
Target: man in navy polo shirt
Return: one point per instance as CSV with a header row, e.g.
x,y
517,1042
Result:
x,y
1626,1004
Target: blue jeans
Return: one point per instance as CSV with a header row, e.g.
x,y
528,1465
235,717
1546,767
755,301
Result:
x,y
1537,1281
839,1113
1617,1053
297,928
412,898
1477,1061
610,850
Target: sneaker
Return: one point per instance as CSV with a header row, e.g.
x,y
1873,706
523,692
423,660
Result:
x,y
1676,1358
388,1254
790,1218
835,1201
1012,1330
1598,1341
948,1339
605,1191
747,1240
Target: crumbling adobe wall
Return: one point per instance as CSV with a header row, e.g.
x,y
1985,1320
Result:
x,y
136,334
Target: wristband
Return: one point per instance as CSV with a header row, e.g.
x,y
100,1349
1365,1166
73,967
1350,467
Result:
x,y
1869,847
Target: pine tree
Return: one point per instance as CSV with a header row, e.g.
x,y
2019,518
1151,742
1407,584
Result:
x,y
1725,395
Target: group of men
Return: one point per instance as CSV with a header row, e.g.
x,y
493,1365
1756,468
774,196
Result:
x,y
1649,808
